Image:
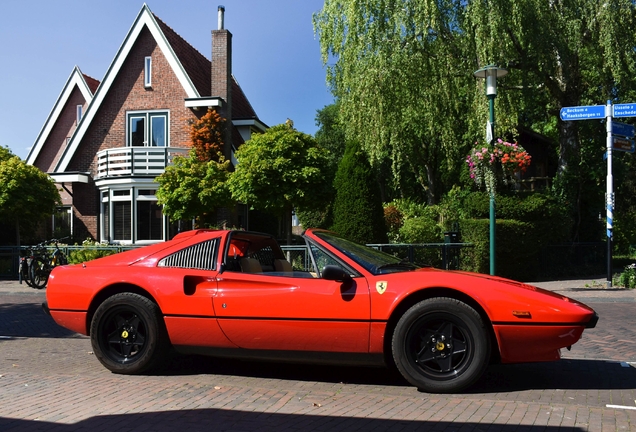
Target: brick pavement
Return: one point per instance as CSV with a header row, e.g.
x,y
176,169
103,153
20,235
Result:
x,y
49,380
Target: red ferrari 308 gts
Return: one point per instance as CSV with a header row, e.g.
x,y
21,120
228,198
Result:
x,y
233,294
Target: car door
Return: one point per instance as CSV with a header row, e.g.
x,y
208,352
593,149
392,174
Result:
x,y
293,311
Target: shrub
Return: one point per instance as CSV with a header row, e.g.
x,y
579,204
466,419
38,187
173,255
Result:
x,y
627,278
420,230
517,248
357,209
90,250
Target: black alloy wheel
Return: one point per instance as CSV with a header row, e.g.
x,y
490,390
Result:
x,y
441,345
128,334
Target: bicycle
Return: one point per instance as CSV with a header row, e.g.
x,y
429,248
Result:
x,y
23,269
42,263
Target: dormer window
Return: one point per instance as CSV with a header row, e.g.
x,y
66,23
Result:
x,y
148,72
78,112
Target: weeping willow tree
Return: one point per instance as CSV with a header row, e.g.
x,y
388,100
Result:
x,y
560,53
402,72
403,78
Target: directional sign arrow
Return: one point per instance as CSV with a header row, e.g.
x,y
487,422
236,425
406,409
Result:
x,y
623,129
583,112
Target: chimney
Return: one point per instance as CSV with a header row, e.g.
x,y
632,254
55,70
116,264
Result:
x,y
222,75
221,25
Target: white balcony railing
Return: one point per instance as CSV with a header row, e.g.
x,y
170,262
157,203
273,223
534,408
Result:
x,y
136,161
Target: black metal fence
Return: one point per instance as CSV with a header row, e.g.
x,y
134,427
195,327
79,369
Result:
x,y
556,261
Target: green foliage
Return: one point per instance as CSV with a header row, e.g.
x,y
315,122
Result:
x,y
411,222
626,279
5,154
420,230
280,169
316,218
517,252
90,250
357,210
525,225
27,195
194,189
402,76
579,58
331,134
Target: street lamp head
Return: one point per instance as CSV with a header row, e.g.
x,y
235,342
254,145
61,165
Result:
x,y
490,73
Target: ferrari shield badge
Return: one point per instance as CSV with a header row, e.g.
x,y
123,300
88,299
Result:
x,y
380,286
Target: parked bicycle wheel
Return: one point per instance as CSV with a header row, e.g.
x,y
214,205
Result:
x,y
24,271
39,273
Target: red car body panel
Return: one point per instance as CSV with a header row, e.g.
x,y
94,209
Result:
x,y
224,308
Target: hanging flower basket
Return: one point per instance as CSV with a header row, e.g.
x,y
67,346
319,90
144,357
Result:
x,y
500,160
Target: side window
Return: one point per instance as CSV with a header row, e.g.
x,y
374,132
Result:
x,y
256,254
321,259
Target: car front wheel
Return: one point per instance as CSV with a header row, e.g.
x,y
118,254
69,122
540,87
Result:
x,y
128,334
441,345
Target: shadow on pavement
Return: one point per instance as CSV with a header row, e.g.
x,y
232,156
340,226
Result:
x,y
29,320
235,420
563,374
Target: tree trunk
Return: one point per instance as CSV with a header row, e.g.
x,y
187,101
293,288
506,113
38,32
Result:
x,y
568,178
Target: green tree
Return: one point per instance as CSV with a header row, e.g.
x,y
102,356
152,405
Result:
x,y
331,137
279,170
27,195
583,55
403,77
194,187
357,211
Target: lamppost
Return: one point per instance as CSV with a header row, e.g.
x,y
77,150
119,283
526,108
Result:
x,y
490,73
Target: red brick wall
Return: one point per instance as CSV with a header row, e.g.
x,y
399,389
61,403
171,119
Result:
x,y
64,127
108,128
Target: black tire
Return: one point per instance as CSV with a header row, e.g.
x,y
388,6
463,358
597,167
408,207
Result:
x,y
24,272
38,273
128,334
440,345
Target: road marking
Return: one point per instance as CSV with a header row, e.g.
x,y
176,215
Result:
x,y
621,407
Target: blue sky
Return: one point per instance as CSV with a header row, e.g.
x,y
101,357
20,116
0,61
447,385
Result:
x,y
276,56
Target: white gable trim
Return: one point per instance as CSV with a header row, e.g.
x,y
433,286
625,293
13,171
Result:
x,y
76,79
144,19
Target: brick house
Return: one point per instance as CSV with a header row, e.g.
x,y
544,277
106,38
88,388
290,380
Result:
x,y
105,142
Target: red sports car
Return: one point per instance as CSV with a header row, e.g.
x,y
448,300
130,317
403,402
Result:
x,y
234,294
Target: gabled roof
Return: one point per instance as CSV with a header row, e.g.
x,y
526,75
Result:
x,y
192,69
145,18
86,85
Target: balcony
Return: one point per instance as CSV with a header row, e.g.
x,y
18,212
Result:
x,y
136,161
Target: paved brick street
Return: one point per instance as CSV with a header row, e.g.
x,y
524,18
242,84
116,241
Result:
x,y
50,381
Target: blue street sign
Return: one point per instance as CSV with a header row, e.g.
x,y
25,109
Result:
x,y
623,129
625,110
583,112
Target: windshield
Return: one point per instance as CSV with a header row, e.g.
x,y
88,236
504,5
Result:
x,y
373,260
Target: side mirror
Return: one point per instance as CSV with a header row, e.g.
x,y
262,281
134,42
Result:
x,y
335,273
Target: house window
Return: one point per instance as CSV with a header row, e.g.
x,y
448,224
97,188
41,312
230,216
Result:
x,y
63,222
148,72
148,129
78,113
131,216
150,219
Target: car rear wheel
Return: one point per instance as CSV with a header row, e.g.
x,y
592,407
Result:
x,y
128,334
441,345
